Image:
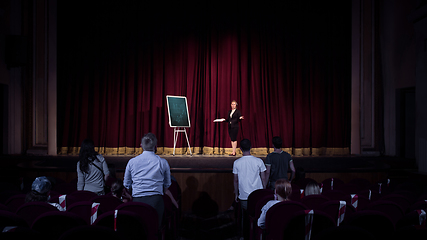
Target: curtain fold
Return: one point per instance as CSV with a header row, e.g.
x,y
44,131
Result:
x,y
289,79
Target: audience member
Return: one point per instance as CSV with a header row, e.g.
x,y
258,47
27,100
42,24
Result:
x,y
278,162
120,192
40,192
282,191
312,188
92,170
148,176
248,174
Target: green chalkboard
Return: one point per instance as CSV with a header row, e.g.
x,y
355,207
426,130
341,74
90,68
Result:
x,y
178,111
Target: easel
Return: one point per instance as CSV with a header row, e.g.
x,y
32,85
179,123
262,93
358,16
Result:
x,y
176,131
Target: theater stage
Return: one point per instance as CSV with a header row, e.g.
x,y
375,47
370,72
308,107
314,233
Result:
x,y
220,163
213,173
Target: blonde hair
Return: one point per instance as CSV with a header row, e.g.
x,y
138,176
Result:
x,y
312,188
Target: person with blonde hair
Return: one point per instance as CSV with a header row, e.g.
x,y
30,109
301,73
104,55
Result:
x,y
282,192
233,118
312,188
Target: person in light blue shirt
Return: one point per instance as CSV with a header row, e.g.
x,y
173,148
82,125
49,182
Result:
x,y
147,176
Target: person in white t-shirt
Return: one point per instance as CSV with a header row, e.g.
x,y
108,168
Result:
x,y
248,174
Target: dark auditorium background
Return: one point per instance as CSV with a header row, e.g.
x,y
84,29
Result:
x,y
343,83
332,78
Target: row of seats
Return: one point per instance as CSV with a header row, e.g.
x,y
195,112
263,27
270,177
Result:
x,y
38,215
34,215
131,220
377,212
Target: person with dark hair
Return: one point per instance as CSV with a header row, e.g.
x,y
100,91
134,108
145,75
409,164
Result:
x,y
278,162
92,170
312,188
40,192
248,174
148,176
281,193
120,192
233,118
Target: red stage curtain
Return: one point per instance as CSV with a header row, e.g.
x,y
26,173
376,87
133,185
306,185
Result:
x,y
289,74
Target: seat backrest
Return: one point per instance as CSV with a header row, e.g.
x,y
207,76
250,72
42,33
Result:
x,y
7,193
345,232
278,217
15,201
69,200
349,188
53,224
363,183
389,208
129,225
8,218
328,185
362,202
107,203
411,219
400,200
83,195
64,188
374,194
418,205
147,213
83,209
254,197
297,229
314,201
375,222
334,194
332,208
31,210
3,207
90,232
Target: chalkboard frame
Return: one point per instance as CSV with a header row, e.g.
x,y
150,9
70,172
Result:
x,y
173,109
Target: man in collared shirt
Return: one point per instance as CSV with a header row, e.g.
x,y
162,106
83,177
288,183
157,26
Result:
x,y
148,176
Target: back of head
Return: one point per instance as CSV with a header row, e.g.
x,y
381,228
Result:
x,y
86,154
41,185
87,147
117,187
149,142
277,142
283,188
245,145
312,188
39,190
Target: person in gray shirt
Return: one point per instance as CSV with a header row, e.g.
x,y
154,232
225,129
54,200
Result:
x,y
92,170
